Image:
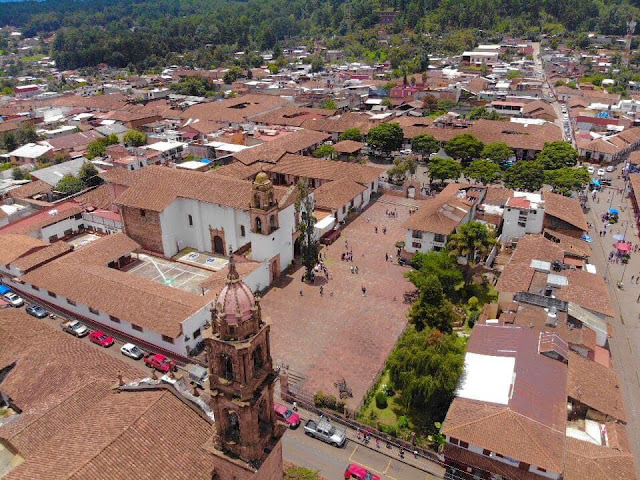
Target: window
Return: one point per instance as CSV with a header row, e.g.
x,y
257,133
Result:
x,y
94,311
417,234
35,288
68,232
143,213
77,216
540,469
51,294
242,232
71,302
167,339
190,220
197,333
438,237
53,238
114,319
486,452
416,245
454,441
524,466
136,327
464,444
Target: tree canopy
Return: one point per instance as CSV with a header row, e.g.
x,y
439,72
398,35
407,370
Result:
x,y
386,137
525,175
352,134
498,152
69,184
483,171
556,155
472,241
444,168
134,138
88,175
464,147
425,144
324,151
567,180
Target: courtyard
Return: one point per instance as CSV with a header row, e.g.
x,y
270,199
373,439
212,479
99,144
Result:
x,y
168,272
344,334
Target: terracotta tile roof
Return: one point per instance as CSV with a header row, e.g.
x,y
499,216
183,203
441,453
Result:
x,y
14,246
566,209
570,245
292,116
114,101
596,386
339,124
348,146
588,290
323,169
121,176
538,107
81,277
333,195
466,457
43,219
497,196
30,189
273,150
235,110
501,430
587,461
218,279
61,398
240,170
99,197
515,278
205,126
441,214
634,180
158,187
42,256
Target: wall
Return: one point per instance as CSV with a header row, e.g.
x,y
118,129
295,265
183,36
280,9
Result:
x,y
265,247
259,278
512,216
58,229
180,346
145,230
426,243
271,468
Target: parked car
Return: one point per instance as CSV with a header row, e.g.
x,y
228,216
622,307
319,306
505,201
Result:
x,y
330,237
132,351
36,311
324,430
287,415
357,472
14,299
159,362
610,168
75,328
591,170
100,338
601,172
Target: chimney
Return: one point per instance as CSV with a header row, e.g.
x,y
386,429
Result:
x,y
552,317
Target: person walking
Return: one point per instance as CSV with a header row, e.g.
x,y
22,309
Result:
x,y
321,291
364,291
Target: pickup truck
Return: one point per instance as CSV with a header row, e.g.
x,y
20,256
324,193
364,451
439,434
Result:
x,y
324,430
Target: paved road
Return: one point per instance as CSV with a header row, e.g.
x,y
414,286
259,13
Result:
x,y
332,461
625,342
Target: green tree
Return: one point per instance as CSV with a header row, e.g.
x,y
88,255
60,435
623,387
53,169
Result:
x,y
425,144
556,155
444,168
472,241
88,175
273,68
567,180
440,264
231,75
498,152
328,104
525,175
60,157
514,74
352,134
425,367
464,147
26,134
9,142
301,473
325,151
309,244
97,148
317,63
432,309
483,171
69,184
485,113
386,137
134,138
18,174
112,139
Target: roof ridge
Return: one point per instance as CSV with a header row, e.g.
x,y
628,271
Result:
x,y
501,411
517,419
117,437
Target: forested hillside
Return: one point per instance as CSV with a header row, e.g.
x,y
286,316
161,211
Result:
x,y
146,33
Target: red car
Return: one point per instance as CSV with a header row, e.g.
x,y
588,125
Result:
x,y
287,415
101,338
159,362
359,473
330,237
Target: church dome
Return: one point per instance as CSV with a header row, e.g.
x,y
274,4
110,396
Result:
x,y
262,178
236,302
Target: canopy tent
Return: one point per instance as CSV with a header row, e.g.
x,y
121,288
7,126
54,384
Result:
x,y
623,247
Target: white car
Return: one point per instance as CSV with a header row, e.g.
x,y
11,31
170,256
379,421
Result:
x,y
591,170
14,299
601,172
610,168
131,351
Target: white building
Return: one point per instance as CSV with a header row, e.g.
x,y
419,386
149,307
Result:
x,y
28,153
523,213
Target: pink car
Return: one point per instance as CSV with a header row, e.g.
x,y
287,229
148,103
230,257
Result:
x,y
287,415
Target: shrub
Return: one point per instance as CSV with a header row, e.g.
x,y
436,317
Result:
x,y
318,399
381,400
330,401
390,430
403,423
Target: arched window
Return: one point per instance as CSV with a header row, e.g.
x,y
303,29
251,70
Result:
x,y
258,360
226,367
264,422
258,225
232,433
272,222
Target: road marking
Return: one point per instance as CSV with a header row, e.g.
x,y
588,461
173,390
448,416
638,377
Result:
x,y
352,453
387,468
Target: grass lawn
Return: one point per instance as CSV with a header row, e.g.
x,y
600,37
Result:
x,y
388,416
